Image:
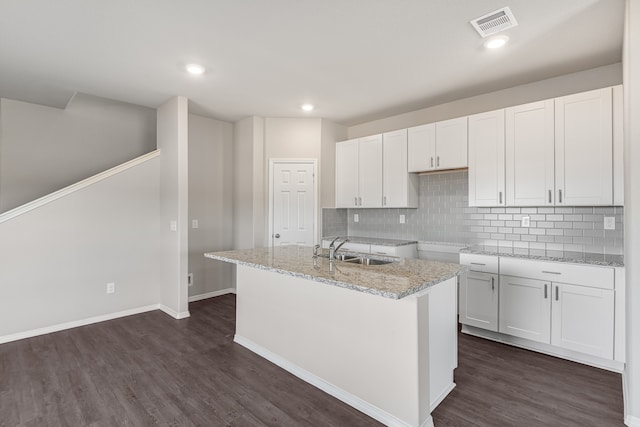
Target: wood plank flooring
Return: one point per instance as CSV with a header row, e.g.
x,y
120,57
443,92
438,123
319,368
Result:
x,y
150,369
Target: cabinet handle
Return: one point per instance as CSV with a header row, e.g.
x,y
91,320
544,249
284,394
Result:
x,y
557,297
545,291
360,201
559,196
477,263
493,283
438,161
549,196
500,197
355,201
551,272
384,200
432,162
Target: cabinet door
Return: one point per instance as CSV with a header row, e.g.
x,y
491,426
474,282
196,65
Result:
x,y
486,159
582,319
451,144
422,148
584,149
525,308
529,150
396,181
347,174
479,300
370,172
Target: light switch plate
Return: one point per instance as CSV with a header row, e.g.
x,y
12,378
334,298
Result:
x,y
525,221
111,288
356,218
173,225
194,223
609,222
402,219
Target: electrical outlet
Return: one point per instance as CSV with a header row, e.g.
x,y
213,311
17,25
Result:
x,y
173,225
356,218
609,222
111,288
190,279
525,221
194,223
402,219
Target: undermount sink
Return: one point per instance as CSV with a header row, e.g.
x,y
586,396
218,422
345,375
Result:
x,y
367,261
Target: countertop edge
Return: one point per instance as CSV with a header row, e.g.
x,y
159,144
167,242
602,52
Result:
x,y
567,260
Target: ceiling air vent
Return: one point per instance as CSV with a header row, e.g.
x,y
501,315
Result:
x,y
494,22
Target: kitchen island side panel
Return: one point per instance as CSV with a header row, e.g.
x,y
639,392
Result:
x,y
370,347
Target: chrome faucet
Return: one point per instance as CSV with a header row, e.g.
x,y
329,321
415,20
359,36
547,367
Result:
x,y
315,251
333,249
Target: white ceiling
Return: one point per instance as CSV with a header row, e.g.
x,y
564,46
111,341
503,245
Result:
x,y
356,60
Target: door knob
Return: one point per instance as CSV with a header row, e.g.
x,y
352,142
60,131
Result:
x,y
277,236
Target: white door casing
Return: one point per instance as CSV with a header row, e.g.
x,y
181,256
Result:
x,y
292,202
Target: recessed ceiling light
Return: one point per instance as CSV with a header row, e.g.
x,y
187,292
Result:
x,y
496,42
195,69
307,107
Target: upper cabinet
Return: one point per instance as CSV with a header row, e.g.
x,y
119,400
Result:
x,y
486,159
558,152
584,148
529,158
438,146
359,172
371,172
399,187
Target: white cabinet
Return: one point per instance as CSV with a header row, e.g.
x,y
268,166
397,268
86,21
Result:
x,y
479,292
370,172
486,159
558,152
400,188
359,172
438,146
584,148
529,150
583,319
402,251
347,174
577,315
525,309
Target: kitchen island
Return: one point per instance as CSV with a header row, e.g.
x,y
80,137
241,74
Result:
x,y
382,338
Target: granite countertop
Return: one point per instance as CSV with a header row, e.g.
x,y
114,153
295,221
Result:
x,y
396,280
373,240
547,255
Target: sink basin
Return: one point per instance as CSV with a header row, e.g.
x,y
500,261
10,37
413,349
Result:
x,y
367,261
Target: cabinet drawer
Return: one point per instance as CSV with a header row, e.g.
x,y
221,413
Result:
x,y
480,263
585,275
384,250
356,247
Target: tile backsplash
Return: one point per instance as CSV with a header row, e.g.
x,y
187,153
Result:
x,y
444,216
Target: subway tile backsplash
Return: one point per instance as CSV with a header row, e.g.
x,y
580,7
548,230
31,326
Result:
x,y
444,216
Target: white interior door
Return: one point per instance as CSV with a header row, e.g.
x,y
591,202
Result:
x,y
293,204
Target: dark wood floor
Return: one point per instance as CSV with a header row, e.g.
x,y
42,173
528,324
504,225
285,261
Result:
x,y
149,369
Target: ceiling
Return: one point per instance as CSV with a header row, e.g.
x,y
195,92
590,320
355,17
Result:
x,y
356,60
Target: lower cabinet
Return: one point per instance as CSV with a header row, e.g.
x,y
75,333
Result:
x,y
525,311
577,316
568,306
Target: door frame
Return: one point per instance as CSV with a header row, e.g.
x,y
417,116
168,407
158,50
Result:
x,y
272,163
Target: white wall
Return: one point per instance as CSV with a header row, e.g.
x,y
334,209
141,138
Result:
x,y
248,175
44,149
210,202
609,75
55,261
331,133
173,261
631,61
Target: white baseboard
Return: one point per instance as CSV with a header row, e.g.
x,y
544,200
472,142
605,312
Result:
x,y
171,312
76,323
340,394
213,294
440,398
632,421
